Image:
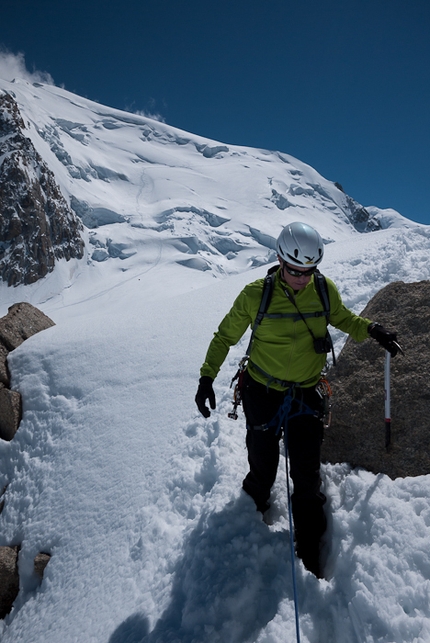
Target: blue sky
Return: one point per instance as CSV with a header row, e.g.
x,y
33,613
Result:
x,y
343,85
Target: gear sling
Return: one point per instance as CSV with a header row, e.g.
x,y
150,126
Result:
x,y
321,345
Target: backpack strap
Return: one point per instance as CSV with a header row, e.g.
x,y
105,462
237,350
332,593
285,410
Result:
x,y
322,290
268,285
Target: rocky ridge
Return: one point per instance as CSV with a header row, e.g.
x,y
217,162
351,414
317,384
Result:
x,y
37,227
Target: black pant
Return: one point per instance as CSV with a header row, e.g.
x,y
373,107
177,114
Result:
x,y
304,436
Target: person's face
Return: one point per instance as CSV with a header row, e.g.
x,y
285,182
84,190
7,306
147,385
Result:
x,y
295,281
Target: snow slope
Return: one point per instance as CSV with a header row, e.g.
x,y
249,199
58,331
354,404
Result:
x,y
136,496
146,188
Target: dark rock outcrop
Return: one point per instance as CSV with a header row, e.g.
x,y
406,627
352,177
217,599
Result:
x,y
360,218
10,413
9,575
4,371
37,227
9,578
357,434
22,321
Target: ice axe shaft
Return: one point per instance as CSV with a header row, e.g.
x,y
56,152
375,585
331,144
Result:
x,y
387,374
387,386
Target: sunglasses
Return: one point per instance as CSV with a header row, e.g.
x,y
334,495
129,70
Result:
x,y
299,273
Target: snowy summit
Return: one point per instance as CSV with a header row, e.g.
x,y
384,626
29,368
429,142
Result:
x,y
114,473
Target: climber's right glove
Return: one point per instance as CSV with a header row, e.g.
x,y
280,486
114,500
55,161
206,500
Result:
x,y
205,392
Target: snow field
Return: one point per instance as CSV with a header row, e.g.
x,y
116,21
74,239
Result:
x,y
139,501
113,471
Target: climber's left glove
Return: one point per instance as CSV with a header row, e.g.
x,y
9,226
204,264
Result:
x,y
385,338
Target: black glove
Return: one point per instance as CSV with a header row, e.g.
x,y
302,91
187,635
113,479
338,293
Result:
x,y
205,392
386,338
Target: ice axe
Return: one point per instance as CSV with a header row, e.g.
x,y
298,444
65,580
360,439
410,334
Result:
x,y
387,378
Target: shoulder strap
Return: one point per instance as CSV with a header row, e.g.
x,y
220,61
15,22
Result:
x,y
322,290
268,285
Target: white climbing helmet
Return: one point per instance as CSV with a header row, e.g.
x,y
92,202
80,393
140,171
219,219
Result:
x,y
300,245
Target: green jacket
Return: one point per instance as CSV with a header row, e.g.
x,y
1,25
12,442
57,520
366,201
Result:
x,y
284,347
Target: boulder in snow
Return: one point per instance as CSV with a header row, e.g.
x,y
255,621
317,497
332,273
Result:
x,y
357,434
21,322
40,562
10,413
9,579
4,371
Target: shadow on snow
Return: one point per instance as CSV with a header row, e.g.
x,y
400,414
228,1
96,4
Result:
x,y
233,575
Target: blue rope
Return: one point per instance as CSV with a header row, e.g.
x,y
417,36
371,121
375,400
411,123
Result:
x,y
283,414
293,558
281,418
